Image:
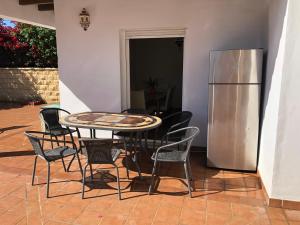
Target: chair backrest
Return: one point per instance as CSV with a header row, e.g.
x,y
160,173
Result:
x,y
135,111
137,99
190,134
50,117
186,142
35,142
97,151
177,120
167,99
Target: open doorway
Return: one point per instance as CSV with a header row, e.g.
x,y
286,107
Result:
x,y
156,66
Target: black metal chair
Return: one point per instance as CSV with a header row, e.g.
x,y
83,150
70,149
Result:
x,y
50,118
51,155
131,139
101,151
169,153
170,123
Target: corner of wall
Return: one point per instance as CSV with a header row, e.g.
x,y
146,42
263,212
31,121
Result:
x,y
268,156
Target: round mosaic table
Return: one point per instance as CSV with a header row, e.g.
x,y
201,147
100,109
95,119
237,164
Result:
x,y
114,122
111,121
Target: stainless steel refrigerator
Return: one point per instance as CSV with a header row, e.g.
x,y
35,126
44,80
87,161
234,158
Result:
x,y
233,114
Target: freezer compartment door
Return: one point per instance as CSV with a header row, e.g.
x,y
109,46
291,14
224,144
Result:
x,y
236,66
233,126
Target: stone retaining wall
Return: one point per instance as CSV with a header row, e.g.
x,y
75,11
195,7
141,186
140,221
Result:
x,y
29,84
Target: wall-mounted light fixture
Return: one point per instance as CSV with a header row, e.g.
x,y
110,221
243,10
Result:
x,y
84,19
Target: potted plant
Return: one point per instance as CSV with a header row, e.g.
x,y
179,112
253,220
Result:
x,y
152,84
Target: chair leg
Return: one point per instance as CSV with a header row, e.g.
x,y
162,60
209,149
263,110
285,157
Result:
x,y
80,167
191,174
56,138
135,158
43,141
187,178
152,178
189,168
51,141
146,141
64,140
68,169
64,165
126,158
91,170
83,181
34,168
143,146
158,168
48,179
118,181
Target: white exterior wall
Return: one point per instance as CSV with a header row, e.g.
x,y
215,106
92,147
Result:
x,y
10,9
279,151
89,62
276,50
286,169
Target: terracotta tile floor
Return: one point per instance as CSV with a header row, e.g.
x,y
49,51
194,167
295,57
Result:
x,y
221,197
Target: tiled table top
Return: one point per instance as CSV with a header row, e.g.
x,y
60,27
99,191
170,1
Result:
x,y
111,121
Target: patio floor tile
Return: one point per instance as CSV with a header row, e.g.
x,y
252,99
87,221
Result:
x,y
221,197
292,215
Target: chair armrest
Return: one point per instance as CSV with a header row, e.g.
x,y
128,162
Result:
x,y
174,126
170,116
112,140
47,139
175,143
59,109
171,132
176,131
163,147
56,141
99,139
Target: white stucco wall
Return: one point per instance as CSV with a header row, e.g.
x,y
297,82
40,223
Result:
x,y
279,151
272,89
10,9
286,168
89,62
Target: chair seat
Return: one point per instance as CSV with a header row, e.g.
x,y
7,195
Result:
x,y
170,156
59,152
115,152
61,131
98,159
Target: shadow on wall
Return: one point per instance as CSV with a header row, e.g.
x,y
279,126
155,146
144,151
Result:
x,y
18,87
276,22
27,86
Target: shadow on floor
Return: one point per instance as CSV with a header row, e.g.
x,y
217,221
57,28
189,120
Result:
x,y
2,130
16,153
10,105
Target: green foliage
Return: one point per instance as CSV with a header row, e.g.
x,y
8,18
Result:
x,y
42,44
27,46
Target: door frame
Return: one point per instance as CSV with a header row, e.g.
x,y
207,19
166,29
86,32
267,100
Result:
x,y
125,36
